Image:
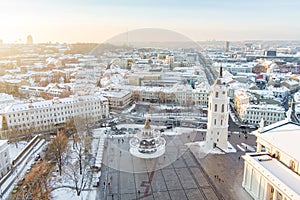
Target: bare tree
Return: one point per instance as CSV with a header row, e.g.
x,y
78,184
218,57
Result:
x,y
82,142
58,147
79,180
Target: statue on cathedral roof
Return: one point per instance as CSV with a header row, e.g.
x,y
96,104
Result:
x,y
147,123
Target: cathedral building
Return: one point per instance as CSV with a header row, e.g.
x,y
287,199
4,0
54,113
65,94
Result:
x,y
273,172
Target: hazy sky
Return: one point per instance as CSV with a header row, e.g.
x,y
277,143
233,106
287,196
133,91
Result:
x,y
98,20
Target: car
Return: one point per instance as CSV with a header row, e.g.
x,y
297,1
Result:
x,y
169,127
37,157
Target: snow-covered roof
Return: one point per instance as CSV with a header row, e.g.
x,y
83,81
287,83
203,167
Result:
x,y
3,142
267,107
6,97
281,176
115,93
283,135
49,103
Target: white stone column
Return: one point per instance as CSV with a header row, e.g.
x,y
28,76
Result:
x,y
258,147
275,194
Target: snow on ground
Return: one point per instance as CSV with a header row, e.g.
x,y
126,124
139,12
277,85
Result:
x,y
22,167
248,147
66,193
241,148
16,148
201,148
129,109
89,192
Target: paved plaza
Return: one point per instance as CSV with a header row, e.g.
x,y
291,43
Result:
x,y
179,174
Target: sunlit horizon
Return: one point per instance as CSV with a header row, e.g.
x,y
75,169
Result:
x,y
97,21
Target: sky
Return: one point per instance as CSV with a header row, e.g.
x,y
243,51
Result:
x,y
99,20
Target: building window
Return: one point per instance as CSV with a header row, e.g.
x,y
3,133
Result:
x,y
292,165
216,107
217,94
221,122
222,108
215,121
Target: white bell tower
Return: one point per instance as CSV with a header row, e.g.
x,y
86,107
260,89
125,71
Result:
x,y
218,112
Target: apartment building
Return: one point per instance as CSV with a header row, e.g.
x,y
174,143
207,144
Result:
x,y
45,115
253,114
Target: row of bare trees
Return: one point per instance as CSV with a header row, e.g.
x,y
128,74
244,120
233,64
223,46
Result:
x,y
70,156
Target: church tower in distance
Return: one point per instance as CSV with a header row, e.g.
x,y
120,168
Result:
x,y
218,112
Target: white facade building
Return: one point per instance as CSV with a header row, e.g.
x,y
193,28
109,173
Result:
x,y
4,158
118,98
253,114
44,115
236,67
274,173
240,98
297,104
180,94
217,124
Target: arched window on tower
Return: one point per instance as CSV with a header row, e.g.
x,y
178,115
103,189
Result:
x,y
216,107
292,165
222,108
217,94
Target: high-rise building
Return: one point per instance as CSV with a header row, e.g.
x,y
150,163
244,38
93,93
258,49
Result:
x,y
29,40
226,46
270,53
217,124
